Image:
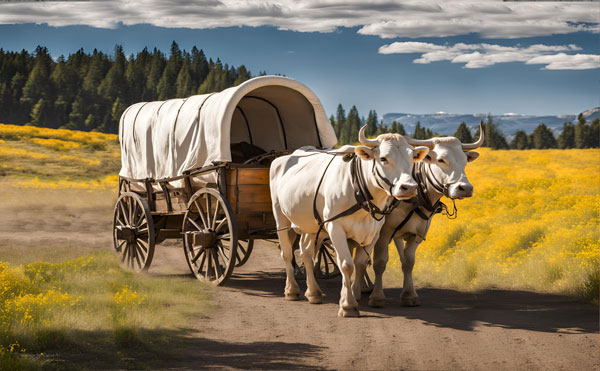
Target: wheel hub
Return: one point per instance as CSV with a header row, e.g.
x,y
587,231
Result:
x,y
126,233
206,238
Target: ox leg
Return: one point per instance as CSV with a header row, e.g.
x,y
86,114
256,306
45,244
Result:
x,y
286,241
380,259
348,304
307,250
407,251
361,260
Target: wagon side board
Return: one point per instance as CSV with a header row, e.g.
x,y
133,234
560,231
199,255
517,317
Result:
x,y
250,198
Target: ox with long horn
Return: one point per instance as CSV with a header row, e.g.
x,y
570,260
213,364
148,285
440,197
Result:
x,y
430,143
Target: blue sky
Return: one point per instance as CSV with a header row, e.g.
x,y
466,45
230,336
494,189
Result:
x,y
499,65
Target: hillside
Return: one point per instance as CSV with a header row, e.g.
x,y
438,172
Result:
x,y
446,123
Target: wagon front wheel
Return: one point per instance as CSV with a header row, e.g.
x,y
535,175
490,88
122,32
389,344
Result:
x,y
133,232
210,236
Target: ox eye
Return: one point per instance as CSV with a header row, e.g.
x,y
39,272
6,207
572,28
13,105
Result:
x,y
383,159
441,161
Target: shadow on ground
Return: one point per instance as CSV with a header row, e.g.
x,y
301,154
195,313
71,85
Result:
x,y
173,349
450,308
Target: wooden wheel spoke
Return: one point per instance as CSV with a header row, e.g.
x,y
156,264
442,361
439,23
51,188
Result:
x,y
195,224
222,223
208,207
202,262
218,268
125,252
201,212
121,245
214,219
134,213
123,213
201,251
137,256
209,264
222,252
142,248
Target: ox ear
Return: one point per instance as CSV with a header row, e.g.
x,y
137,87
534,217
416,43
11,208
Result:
x,y
366,153
471,156
419,153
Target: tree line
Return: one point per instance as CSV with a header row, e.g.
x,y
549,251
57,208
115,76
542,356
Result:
x,y
579,135
89,91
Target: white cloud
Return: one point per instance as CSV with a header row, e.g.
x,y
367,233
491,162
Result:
x,y
554,57
383,18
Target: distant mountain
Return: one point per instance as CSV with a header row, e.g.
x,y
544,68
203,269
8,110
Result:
x,y
447,123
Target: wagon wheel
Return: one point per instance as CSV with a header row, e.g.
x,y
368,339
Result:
x,y
244,248
133,232
209,236
326,263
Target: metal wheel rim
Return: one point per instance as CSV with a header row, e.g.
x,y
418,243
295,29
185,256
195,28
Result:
x,y
212,263
132,216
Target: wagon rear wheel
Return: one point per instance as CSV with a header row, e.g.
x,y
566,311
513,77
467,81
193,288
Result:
x,y
326,263
133,232
210,236
244,249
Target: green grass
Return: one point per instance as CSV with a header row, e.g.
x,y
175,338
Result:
x,y
112,318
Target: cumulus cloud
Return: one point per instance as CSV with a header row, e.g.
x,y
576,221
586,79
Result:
x,y
553,57
383,18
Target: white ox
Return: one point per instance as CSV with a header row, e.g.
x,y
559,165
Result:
x,y
442,172
306,182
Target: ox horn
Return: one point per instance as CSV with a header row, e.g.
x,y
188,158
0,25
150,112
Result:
x,y
479,143
364,141
418,142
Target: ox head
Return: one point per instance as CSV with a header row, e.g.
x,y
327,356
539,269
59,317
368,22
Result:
x,y
447,159
392,160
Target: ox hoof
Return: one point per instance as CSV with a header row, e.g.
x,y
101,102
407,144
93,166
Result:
x,y
411,302
315,299
292,296
377,302
350,312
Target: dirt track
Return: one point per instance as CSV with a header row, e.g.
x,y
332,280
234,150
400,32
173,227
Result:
x,y
256,328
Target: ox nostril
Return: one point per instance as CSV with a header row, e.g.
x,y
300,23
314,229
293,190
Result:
x,y
461,188
408,187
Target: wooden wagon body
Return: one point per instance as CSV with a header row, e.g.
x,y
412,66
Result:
x,y
221,205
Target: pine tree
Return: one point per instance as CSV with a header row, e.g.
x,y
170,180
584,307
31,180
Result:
x,y
41,112
156,70
184,80
543,138
594,136
463,133
493,136
371,123
519,141
340,120
353,124
113,85
566,139
419,133
581,133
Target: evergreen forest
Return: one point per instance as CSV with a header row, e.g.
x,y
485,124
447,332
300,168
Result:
x,y
90,91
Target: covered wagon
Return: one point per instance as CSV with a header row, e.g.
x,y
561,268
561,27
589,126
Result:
x,y
197,169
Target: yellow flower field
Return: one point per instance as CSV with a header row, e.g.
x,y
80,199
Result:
x,y
533,223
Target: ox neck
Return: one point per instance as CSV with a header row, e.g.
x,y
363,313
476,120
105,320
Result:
x,y
428,191
380,196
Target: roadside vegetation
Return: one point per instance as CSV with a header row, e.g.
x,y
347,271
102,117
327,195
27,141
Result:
x,y
88,312
532,224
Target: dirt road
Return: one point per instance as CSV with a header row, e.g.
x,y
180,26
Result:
x,y
255,328
493,330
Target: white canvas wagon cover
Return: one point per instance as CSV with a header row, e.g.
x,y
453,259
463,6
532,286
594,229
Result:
x,y
165,138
